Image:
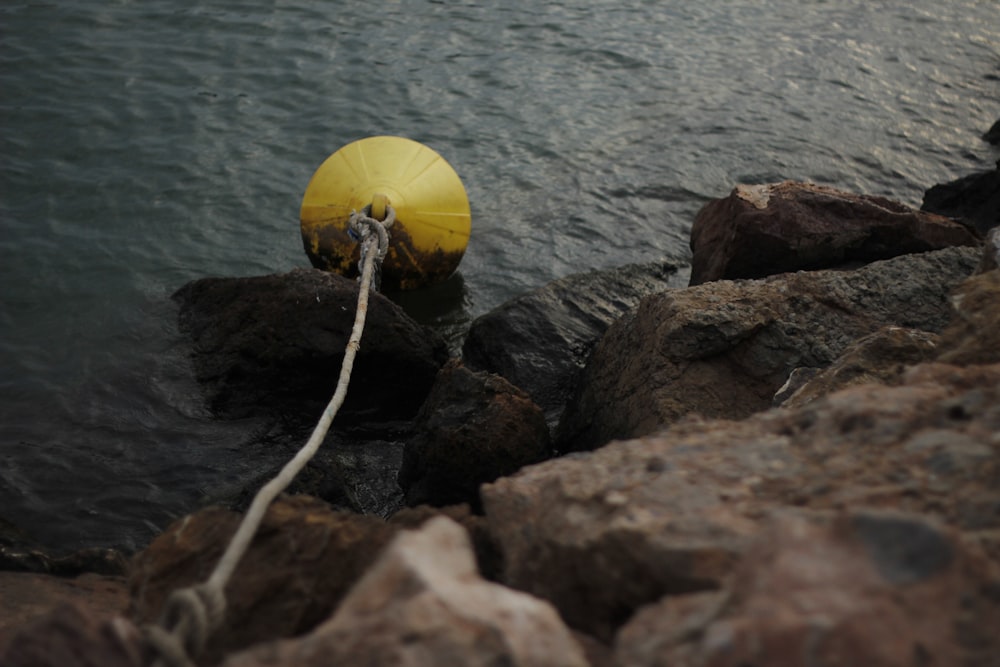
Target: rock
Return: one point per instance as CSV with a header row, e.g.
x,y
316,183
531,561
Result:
x,y
26,598
489,560
867,588
974,334
71,637
878,358
991,251
540,341
602,533
973,199
797,379
992,135
762,230
423,604
303,560
473,428
275,344
349,471
723,349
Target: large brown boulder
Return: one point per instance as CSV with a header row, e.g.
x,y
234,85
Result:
x,y
602,533
275,344
26,598
879,589
723,349
762,230
473,428
540,341
423,605
301,563
72,636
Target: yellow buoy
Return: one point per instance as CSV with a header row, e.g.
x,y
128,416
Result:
x,y
433,221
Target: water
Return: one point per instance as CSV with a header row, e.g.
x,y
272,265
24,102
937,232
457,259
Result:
x,y
148,144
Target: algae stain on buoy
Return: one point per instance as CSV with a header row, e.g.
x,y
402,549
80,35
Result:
x,y
433,220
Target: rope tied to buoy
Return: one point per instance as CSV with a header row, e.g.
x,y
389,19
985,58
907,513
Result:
x,y
190,615
361,226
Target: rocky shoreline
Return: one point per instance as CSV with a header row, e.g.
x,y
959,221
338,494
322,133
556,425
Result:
x,y
787,453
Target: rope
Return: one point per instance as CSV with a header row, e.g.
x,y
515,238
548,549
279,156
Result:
x,y
190,615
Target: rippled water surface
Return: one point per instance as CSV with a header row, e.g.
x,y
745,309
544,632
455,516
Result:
x,y
146,144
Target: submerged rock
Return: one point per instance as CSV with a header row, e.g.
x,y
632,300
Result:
x,y
473,428
762,230
422,604
724,348
540,341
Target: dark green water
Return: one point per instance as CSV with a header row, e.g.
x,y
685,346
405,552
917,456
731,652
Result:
x,y
146,144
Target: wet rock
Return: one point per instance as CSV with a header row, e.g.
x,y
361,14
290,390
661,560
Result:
x,y
603,533
473,428
19,552
303,560
275,344
762,230
71,637
992,135
423,604
350,471
723,349
974,334
973,199
878,358
25,598
866,588
540,341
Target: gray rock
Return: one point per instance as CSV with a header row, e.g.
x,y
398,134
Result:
x,y
991,251
723,349
540,341
973,199
473,428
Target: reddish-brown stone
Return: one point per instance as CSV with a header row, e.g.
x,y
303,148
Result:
x,y
603,533
722,349
761,230
879,589
303,560
424,605
26,597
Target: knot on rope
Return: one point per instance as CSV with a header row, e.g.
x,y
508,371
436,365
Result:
x,y
189,616
362,225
